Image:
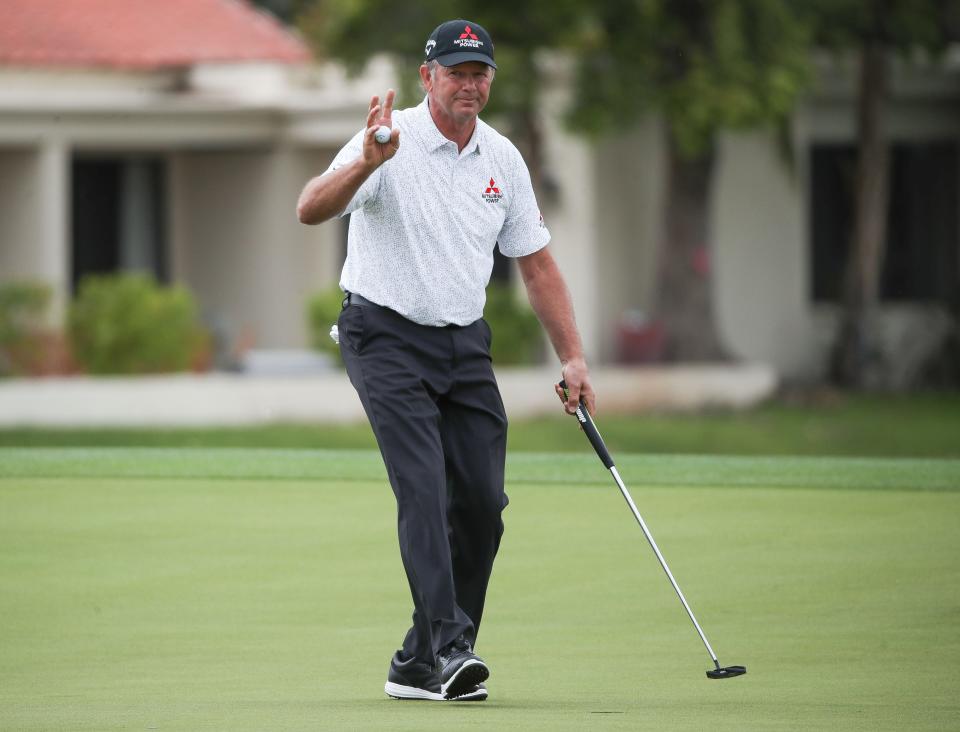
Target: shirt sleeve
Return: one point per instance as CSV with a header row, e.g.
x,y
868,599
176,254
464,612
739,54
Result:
x,y
523,231
350,152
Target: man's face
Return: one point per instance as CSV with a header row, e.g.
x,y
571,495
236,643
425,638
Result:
x,y
459,92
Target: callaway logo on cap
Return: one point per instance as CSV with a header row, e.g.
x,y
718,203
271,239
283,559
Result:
x,y
457,41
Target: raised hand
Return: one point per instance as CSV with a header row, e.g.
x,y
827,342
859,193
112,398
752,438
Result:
x,y
375,153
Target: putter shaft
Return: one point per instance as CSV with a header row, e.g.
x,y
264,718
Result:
x,y
593,435
663,562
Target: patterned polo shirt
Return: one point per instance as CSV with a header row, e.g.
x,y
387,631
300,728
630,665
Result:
x,y
424,224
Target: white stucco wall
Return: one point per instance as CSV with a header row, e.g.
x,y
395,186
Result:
x,y
628,185
569,212
761,255
238,245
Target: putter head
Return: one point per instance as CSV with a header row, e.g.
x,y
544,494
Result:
x,y
727,672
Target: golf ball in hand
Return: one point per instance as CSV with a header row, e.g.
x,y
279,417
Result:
x,y
382,134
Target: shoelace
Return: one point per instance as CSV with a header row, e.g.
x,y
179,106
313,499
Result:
x,y
460,645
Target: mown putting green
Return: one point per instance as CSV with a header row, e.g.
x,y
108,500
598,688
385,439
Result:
x,y
190,589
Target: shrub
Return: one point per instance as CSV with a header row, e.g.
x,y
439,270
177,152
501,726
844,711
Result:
x,y
323,309
517,338
516,330
23,308
128,324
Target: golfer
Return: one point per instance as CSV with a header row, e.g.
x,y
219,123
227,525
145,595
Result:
x,y
428,206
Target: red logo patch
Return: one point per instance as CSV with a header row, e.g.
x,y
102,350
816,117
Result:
x,y
468,39
492,194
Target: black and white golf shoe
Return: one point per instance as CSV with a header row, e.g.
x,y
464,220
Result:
x,y
413,680
461,670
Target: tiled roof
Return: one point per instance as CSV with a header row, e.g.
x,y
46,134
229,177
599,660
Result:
x,y
141,34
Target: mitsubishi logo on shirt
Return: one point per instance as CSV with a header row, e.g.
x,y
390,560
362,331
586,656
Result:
x,y
492,194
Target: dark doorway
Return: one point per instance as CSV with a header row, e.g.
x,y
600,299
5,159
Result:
x,y
118,216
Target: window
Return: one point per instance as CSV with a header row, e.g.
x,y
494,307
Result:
x,y
118,216
921,261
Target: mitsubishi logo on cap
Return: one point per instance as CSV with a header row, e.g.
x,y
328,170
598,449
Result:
x,y
468,39
458,41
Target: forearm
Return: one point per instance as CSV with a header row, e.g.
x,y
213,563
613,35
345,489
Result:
x,y
327,195
551,301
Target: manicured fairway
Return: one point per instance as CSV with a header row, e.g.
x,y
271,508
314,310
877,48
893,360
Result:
x,y
220,589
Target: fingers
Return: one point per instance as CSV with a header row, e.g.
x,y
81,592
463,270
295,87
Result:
x,y
374,113
577,378
573,400
375,153
570,399
388,106
381,114
589,398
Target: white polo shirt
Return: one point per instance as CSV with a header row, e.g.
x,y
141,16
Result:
x,y
425,223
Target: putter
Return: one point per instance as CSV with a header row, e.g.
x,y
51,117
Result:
x,y
590,429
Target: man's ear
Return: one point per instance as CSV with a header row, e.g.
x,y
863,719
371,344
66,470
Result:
x,y
425,79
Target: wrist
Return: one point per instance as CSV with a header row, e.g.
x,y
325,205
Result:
x,y
366,167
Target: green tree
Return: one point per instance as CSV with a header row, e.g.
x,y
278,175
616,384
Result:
x,y
874,30
285,10
705,66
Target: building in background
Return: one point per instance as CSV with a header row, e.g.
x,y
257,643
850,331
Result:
x,y
175,136
165,136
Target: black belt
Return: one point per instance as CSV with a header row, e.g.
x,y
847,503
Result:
x,y
353,298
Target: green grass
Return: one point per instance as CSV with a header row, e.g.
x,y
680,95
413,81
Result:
x,y
242,589
923,425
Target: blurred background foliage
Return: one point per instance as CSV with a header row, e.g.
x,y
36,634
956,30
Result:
x,y
129,324
23,311
517,336
323,309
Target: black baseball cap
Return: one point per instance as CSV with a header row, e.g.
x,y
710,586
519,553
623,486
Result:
x,y
457,41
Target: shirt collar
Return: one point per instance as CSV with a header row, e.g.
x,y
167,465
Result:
x,y
434,139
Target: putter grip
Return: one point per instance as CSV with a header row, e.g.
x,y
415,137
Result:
x,y
590,429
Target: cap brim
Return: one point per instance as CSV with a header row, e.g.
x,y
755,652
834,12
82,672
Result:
x,y
452,59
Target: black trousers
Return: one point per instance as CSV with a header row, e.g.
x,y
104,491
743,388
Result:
x,y
435,408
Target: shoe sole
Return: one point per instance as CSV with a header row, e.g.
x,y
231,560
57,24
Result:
x,y
471,696
470,674
399,691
